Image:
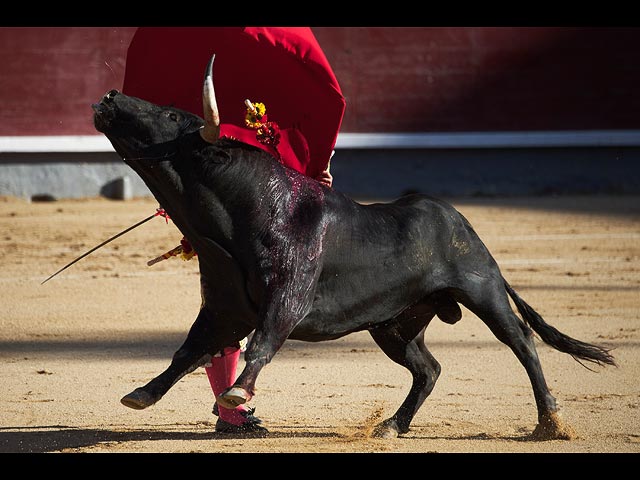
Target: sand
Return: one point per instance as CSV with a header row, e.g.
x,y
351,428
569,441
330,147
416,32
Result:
x,y
71,348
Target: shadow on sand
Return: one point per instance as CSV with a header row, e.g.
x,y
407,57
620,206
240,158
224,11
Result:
x,y
61,438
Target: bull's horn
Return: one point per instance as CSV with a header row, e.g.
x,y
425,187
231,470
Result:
x,y
211,130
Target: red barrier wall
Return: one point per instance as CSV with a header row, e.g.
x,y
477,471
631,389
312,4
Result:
x,y
395,79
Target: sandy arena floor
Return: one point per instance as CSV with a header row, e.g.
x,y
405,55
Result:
x,y
71,348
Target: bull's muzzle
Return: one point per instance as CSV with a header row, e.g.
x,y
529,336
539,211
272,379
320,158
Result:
x,y
103,111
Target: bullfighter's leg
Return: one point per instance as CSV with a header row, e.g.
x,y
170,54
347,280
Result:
x,y
221,373
490,303
404,344
204,338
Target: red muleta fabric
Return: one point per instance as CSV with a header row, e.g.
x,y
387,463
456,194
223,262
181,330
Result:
x,y
282,67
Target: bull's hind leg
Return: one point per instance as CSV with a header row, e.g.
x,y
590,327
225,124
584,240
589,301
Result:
x,y
490,303
404,344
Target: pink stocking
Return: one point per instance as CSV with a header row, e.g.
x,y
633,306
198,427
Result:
x,y
222,374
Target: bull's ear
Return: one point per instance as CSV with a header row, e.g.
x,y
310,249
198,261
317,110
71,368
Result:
x,y
211,130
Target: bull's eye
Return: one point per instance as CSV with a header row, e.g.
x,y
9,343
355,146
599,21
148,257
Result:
x,y
172,116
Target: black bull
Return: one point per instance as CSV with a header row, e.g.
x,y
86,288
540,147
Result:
x,y
285,257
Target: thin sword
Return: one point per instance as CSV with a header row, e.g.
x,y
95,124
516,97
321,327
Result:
x,y
104,243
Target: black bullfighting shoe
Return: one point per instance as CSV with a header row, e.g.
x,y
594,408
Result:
x,y
248,414
251,426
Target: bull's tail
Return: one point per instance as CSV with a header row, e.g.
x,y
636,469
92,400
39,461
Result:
x,y
558,340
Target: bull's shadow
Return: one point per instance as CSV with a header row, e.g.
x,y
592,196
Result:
x,y
61,438
514,437
146,344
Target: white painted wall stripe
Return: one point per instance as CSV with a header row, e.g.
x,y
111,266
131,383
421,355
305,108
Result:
x,y
55,144
594,138
537,139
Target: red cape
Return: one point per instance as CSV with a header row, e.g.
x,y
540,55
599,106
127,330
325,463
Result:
x,y
282,67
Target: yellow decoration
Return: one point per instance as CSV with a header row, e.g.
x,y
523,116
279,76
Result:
x,y
187,255
253,117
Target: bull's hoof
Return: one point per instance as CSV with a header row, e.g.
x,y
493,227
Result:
x,y
386,429
551,427
232,397
138,399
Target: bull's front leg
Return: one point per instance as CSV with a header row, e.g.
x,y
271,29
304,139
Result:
x,y
205,338
281,314
289,260
184,361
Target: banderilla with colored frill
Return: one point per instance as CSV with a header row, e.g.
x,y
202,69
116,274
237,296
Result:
x,y
185,250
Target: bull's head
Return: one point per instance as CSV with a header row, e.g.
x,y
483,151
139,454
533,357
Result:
x,y
161,144
142,130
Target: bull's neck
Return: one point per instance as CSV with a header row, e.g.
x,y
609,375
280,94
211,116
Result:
x,y
225,192
230,183
220,190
